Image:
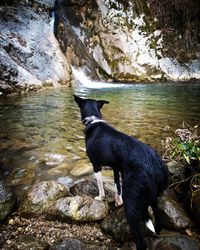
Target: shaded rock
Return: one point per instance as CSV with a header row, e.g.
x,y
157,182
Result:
x,y
7,201
174,242
196,205
90,188
74,244
116,226
25,242
79,208
173,215
41,195
174,167
81,168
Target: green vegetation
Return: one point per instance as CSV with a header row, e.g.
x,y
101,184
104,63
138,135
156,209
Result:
x,y
185,147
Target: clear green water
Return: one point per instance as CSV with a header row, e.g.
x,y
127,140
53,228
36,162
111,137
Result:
x,y
40,131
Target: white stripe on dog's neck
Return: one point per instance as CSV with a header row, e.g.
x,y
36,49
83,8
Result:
x,y
91,120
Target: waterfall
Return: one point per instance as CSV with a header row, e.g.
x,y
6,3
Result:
x,y
83,81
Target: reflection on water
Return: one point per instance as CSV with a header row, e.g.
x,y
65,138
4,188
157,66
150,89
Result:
x,y
41,134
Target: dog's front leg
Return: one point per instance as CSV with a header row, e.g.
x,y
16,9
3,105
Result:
x,y
99,179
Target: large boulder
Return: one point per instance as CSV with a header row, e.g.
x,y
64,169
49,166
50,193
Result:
x,y
77,208
173,215
30,56
41,195
7,200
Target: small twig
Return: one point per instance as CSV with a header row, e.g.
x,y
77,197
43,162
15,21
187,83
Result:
x,y
179,182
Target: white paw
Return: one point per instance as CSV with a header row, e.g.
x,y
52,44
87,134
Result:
x,y
99,198
118,200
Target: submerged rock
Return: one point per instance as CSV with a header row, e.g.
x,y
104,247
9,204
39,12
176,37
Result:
x,y
81,168
173,215
7,200
77,208
41,195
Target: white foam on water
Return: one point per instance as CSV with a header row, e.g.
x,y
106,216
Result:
x,y
84,81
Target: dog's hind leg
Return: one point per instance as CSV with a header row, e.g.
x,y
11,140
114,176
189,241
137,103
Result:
x,y
118,190
158,221
99,179
133,218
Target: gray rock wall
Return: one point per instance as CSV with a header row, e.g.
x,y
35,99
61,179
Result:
x,y
30,55
133,40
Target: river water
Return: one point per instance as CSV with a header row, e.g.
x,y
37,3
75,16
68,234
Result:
x,y
41,135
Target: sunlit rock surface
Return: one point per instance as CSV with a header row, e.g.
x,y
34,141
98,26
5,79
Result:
x,y
30,55
130,40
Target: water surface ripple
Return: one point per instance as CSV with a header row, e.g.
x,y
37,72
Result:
x,y
41,134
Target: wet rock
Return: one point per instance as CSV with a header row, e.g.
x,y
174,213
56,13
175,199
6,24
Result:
x,y
25,242
7,200
74,244
90,188
41,195
77,208
173,215
196,205
81,168
174,242
23,176
116,226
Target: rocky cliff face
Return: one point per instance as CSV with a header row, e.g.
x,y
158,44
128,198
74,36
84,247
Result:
x,y
132,40
30,55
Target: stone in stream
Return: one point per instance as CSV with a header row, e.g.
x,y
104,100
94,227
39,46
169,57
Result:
x,y
81,168
7,200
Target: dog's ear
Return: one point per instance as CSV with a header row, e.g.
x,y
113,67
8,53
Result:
x,y
78,100
100,103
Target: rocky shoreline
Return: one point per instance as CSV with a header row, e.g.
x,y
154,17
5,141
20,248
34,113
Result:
x,y
53,216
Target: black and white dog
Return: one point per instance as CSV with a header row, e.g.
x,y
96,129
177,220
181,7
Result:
x,y
144,176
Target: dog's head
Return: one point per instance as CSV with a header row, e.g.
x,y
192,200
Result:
x,y
89,107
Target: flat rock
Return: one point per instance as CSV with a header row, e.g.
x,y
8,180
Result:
x,y
77,208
